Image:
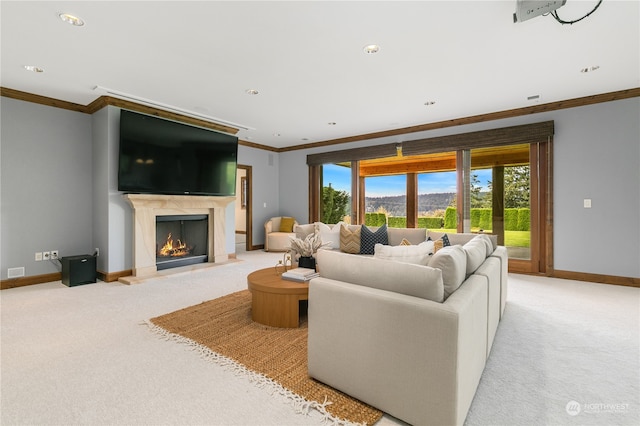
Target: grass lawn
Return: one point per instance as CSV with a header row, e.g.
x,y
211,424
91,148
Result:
x,y
511,238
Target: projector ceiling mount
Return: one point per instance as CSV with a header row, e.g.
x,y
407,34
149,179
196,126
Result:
x,y
527,9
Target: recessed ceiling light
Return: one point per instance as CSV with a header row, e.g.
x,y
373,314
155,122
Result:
x,y
70,19
33,68
371,49
251,92
277,134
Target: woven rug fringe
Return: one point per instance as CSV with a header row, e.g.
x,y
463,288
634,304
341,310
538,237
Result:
x,y
300,404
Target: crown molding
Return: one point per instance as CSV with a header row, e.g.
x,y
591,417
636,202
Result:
x,y
104,101
552,106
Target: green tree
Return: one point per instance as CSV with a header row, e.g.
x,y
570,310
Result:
x,y
334,205
479,199
516,187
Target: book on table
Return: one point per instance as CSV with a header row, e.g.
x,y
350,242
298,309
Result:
x,y
300,274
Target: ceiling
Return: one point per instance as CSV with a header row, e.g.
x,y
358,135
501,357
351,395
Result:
x,y
306,59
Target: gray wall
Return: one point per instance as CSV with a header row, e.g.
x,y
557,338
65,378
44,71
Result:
x,y
59,188
266,191
46,185
59,191
596,156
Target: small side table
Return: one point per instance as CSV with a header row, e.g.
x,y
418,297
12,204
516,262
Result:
x,y
274,301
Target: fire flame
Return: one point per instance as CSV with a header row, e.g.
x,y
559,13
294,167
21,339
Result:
x,y
169,249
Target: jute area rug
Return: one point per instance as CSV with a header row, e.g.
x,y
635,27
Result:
x,y
222,330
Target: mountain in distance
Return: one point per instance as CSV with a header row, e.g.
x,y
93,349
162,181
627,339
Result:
x,y
397,205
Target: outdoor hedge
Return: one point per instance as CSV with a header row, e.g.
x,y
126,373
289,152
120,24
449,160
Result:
x,y
514,219
430,222
450,218
397,222
375,219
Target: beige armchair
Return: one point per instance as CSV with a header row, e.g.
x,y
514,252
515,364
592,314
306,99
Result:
x,y
278,233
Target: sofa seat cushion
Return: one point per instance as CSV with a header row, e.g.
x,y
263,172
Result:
x,y
279,241
452,261
410,279
417,254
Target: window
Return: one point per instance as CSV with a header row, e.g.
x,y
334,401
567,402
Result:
x,y
507,155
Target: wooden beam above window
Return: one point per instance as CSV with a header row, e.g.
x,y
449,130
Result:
x,y
523,134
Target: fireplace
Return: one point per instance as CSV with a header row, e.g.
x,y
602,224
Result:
x,y
181,240
147,207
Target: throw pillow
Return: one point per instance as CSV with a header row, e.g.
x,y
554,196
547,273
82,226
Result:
x,y
286,224
369,239
328,235
418,254
437,245
405,242
445,241
303,230
350,240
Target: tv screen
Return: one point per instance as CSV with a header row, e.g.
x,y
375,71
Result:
x,y
165,157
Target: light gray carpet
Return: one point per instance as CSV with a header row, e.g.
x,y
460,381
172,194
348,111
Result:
x,y
83,355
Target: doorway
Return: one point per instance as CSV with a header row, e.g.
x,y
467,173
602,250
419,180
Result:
x,y
244,208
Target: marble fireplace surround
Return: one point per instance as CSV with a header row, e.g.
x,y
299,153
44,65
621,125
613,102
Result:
x,y
145,209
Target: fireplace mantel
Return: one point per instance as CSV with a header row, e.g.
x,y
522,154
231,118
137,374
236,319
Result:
x,y
147,206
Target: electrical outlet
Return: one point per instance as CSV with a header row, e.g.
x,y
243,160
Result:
x,y
38,256
46,255
54,254
97,251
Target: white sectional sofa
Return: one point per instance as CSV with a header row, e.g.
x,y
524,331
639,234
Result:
x,y
409,339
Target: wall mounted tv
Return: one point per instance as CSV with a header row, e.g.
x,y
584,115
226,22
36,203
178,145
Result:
x,y
166,157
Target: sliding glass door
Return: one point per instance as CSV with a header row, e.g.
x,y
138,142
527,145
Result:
x,y
487,185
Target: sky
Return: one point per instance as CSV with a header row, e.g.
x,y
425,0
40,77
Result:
x,y
428,183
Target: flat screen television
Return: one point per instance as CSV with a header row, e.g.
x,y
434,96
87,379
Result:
x,y
160,156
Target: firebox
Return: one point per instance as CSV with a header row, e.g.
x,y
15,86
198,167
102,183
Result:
x,y
181,240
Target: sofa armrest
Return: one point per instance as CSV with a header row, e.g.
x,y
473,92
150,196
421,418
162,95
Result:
x,y
268,227
416,359
501,253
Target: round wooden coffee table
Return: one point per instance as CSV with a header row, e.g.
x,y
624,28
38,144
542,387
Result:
x,y
274,301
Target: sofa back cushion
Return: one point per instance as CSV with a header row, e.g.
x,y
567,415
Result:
x,y
413,235
452,261
303,230
476,252
413,280
417,254
461,238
